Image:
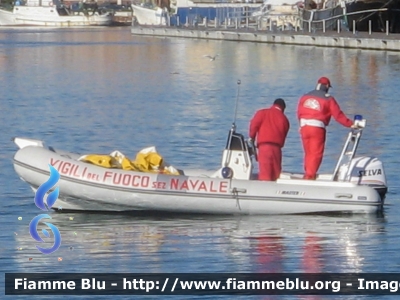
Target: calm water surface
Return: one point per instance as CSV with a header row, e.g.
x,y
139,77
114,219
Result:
x,y
102,89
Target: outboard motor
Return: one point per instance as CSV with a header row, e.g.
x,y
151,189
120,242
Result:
x,y
365,171
360,170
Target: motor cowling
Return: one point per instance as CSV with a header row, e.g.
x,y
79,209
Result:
x,y
365,171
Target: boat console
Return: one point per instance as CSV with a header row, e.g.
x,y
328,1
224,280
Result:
x,y
236,158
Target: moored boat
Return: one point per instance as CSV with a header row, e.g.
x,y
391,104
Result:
x,y
151,15
356,185
192,12
53,14
374,15
353,15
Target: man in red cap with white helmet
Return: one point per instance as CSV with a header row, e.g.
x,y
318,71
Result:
x,y
270,126
314,112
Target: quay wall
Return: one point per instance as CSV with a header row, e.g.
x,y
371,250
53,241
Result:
x,y
377,41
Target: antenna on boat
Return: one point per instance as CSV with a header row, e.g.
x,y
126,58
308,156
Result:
x,y
236,105
231,132
233,128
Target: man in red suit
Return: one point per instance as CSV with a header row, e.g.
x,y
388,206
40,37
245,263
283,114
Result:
x,y
270,126
314,112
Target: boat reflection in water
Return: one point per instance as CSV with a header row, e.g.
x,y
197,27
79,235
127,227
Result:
x,y
306,244
135,243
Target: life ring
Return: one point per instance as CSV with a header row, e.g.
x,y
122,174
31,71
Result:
x,y
51,3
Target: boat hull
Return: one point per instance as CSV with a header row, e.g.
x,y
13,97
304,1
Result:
x,y
149,16
88,187
375,14
49,16
317,20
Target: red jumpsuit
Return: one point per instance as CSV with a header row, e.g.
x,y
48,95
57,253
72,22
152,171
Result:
x,y
270,126
314,112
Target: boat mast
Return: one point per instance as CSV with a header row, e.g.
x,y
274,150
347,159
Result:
x,y
236,106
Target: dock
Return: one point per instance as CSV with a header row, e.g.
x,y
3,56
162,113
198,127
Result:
x,y
343,39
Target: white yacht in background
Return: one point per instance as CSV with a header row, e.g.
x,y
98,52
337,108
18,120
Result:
x,y
53,14
150,15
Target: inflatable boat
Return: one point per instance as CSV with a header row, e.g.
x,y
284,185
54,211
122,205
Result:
x,y
357,184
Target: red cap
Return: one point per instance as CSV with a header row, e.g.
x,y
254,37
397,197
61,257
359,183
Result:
x,y
325,81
